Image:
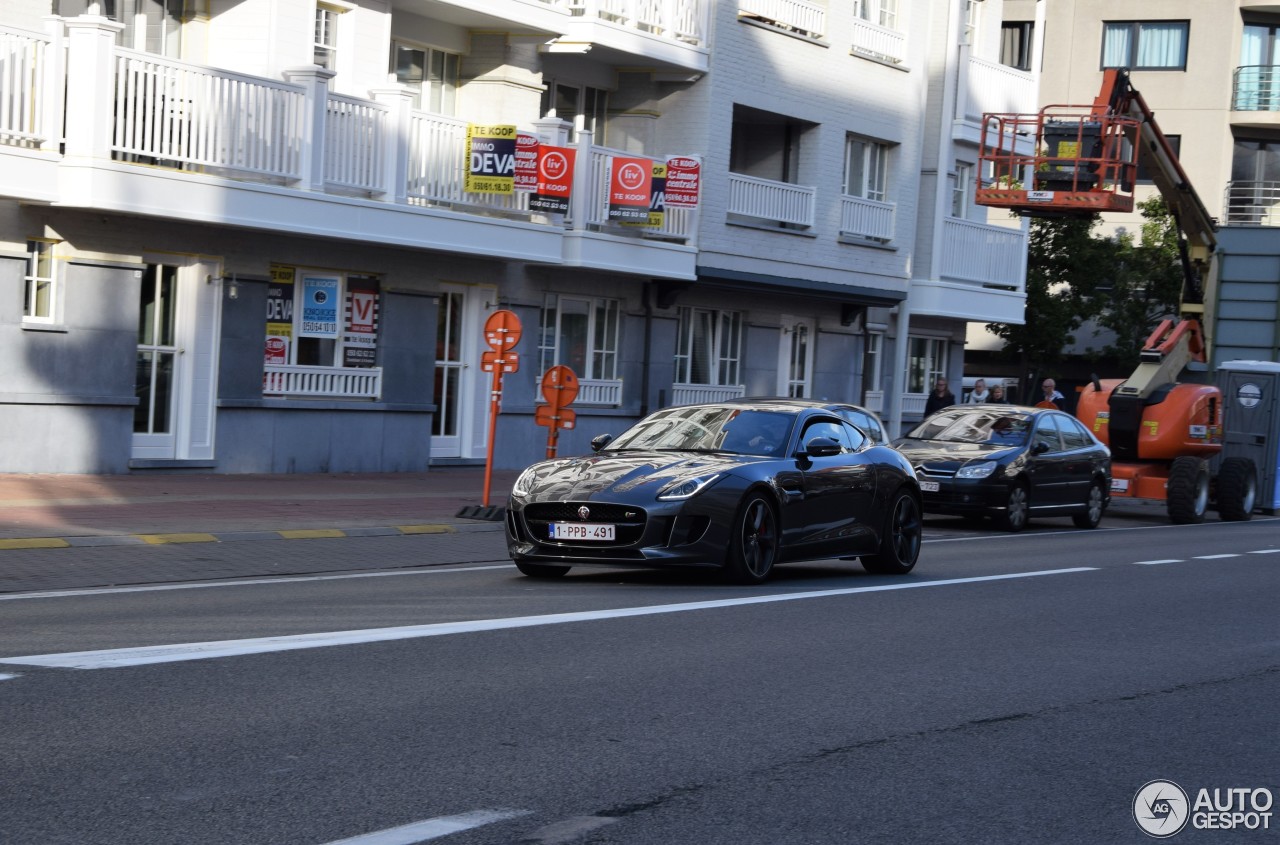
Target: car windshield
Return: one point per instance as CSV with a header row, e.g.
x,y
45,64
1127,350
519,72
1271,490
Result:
x,y
998,428
710,429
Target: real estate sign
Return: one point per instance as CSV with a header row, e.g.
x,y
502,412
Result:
x,y
491,159
630,184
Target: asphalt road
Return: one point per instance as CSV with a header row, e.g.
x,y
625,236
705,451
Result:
x,y
1014,688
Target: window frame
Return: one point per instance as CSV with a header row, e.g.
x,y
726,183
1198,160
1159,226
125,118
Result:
x,y
41,250
340,343
1135,45
936,351
326,17
594,119
873,169
879,12
961,179
1016,40
725,361
431,95
601,353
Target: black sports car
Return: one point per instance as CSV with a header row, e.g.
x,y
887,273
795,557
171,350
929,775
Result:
x,y
738,485
1011,463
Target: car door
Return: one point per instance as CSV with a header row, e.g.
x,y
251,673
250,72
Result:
x,y
832,515
1078,459
1046,465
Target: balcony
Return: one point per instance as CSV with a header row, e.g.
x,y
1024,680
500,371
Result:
x,y
694,394
794,16
868,219
878,42
329,382
673,32
767,202
1252,204
990,87
150,135
980,274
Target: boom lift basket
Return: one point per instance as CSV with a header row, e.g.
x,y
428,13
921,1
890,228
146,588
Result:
x,y
1083,162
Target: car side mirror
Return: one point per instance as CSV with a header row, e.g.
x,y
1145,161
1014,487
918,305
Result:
x,y
600,441
1040,448
821,447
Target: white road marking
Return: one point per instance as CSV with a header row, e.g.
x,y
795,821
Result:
x,y
1216,557
424,831
248,581
1076,532
1265,552
147,655
1157,562
6,677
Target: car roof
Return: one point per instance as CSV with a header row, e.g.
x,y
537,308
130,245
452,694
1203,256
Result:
x,y
797,404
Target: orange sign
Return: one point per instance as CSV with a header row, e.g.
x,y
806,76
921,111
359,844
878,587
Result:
x,y
507,362
559,386
552,418
502,330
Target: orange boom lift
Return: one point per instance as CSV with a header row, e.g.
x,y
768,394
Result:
x,y
1068,161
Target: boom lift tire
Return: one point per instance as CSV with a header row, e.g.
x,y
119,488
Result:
x,y
1188,491
1237,489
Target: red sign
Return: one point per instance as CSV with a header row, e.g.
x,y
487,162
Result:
x,y
553,418
559,386
555,179
526,162
277,350
502,330
684,177
630,184
492,359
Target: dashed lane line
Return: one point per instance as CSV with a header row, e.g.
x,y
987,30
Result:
x,y
1217,557
147,655
1157,562
425,831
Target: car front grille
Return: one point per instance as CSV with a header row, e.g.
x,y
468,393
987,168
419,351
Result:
x,y
926,471
629,521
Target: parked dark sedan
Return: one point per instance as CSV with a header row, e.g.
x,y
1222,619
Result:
x,y
1010,463
738,486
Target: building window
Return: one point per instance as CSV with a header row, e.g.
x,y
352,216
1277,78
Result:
x,y
39,298
882,12
152,26
708,346
1145,45
583,106
972,14
321,319
926,363
325,50
872,357
1015,44
961,189
431,74
866,165
582,334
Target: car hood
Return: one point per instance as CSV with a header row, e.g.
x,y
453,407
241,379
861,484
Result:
x,y
627,473
941,454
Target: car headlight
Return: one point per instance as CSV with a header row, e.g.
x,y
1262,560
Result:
x,y
524,484
686,488
980,470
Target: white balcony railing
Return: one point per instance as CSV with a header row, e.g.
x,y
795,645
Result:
x,y
339,382
171,111
988,86
690,394
873,400
983,253
354,133
26,60
792,15
913,403
595,391
879,42
437,165
775,202
1252,204
677,223
866,218
679,20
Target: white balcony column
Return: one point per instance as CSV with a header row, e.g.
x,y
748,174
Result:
x,y
315,80
91,42
583,195
54,72
553,131
395,154
894,396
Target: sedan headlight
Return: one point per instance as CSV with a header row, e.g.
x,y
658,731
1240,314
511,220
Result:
x,y
686,488
524,484
979,470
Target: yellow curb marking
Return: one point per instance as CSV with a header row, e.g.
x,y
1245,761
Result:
x,y
312,533
426,529
34,543
160,539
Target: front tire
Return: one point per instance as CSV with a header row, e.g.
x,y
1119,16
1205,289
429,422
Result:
x,y
1093,508
753,546
900,539
1188,490
541,570
1237,489
1017,509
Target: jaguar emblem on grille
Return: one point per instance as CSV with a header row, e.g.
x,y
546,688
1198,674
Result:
x,y
583,512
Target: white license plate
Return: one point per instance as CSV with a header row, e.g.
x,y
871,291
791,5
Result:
x,y
929,486
583,531
1119,485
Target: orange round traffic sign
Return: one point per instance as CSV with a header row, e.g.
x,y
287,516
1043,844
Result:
x,y
559,386
502,330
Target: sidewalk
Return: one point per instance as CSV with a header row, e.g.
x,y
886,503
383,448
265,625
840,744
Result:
x,y
51,511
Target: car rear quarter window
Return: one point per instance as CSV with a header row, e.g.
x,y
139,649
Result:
x,y
1047,433
1074,435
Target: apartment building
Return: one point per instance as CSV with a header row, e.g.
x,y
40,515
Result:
x,y
1210,71
237,235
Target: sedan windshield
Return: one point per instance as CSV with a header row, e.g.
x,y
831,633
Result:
x,y
709,429
999,428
